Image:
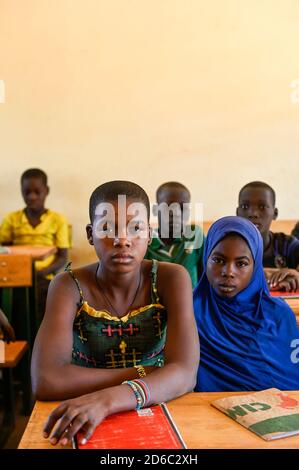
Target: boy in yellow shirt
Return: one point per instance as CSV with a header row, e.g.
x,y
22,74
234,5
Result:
x,y
36,225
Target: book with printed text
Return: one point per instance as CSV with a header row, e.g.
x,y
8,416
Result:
x,y
271,414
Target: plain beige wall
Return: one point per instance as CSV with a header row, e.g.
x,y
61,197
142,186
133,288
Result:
x,y
149,91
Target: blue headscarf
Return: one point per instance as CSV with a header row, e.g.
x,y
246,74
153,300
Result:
x,y
245,341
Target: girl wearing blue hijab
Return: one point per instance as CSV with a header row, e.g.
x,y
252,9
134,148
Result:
x,y
247,338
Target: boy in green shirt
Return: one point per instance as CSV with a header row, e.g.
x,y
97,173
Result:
x,y
170,242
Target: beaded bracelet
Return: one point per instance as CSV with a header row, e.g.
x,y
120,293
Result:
x,y
141,392
145,389
140,397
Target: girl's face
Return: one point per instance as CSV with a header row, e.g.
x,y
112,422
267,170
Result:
x,y
120,234
230,266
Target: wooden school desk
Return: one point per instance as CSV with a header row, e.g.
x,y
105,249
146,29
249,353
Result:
x,y
13,354
201,425
35,252
17,270
294,304
285,226
16,265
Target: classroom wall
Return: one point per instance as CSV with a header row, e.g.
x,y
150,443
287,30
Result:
x,y
188,90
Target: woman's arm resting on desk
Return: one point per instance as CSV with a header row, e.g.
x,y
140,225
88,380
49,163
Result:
x,y
86,412
55,378
177,377
53,375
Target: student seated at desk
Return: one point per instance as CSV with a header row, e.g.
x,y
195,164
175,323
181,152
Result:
x,y
36,225
281,251
248,339
118,334
169,242
6,329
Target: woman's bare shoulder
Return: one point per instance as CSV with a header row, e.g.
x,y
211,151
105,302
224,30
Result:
x,y
172,279
66,278
84,270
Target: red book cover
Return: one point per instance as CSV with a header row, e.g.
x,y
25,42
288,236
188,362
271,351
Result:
x,y
148,428
284,295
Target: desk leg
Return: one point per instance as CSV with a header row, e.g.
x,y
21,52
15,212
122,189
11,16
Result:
x,y
9,418
27,320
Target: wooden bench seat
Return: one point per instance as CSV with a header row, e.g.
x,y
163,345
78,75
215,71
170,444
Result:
x,y
14,352
283,225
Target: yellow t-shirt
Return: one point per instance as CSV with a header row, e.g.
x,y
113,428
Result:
x,y
51,231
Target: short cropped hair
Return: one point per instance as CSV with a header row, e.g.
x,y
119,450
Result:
x,y
259,184
34,173
171,185
109,192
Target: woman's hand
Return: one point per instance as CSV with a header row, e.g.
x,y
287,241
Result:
x,y
79,414
283,279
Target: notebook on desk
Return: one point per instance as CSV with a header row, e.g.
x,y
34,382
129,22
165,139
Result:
x,y
148,428
284,295
271,414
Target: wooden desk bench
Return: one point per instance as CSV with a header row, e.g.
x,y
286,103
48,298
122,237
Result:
x,y
35,252
280,225
17,271
202,426
294,304
13,354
